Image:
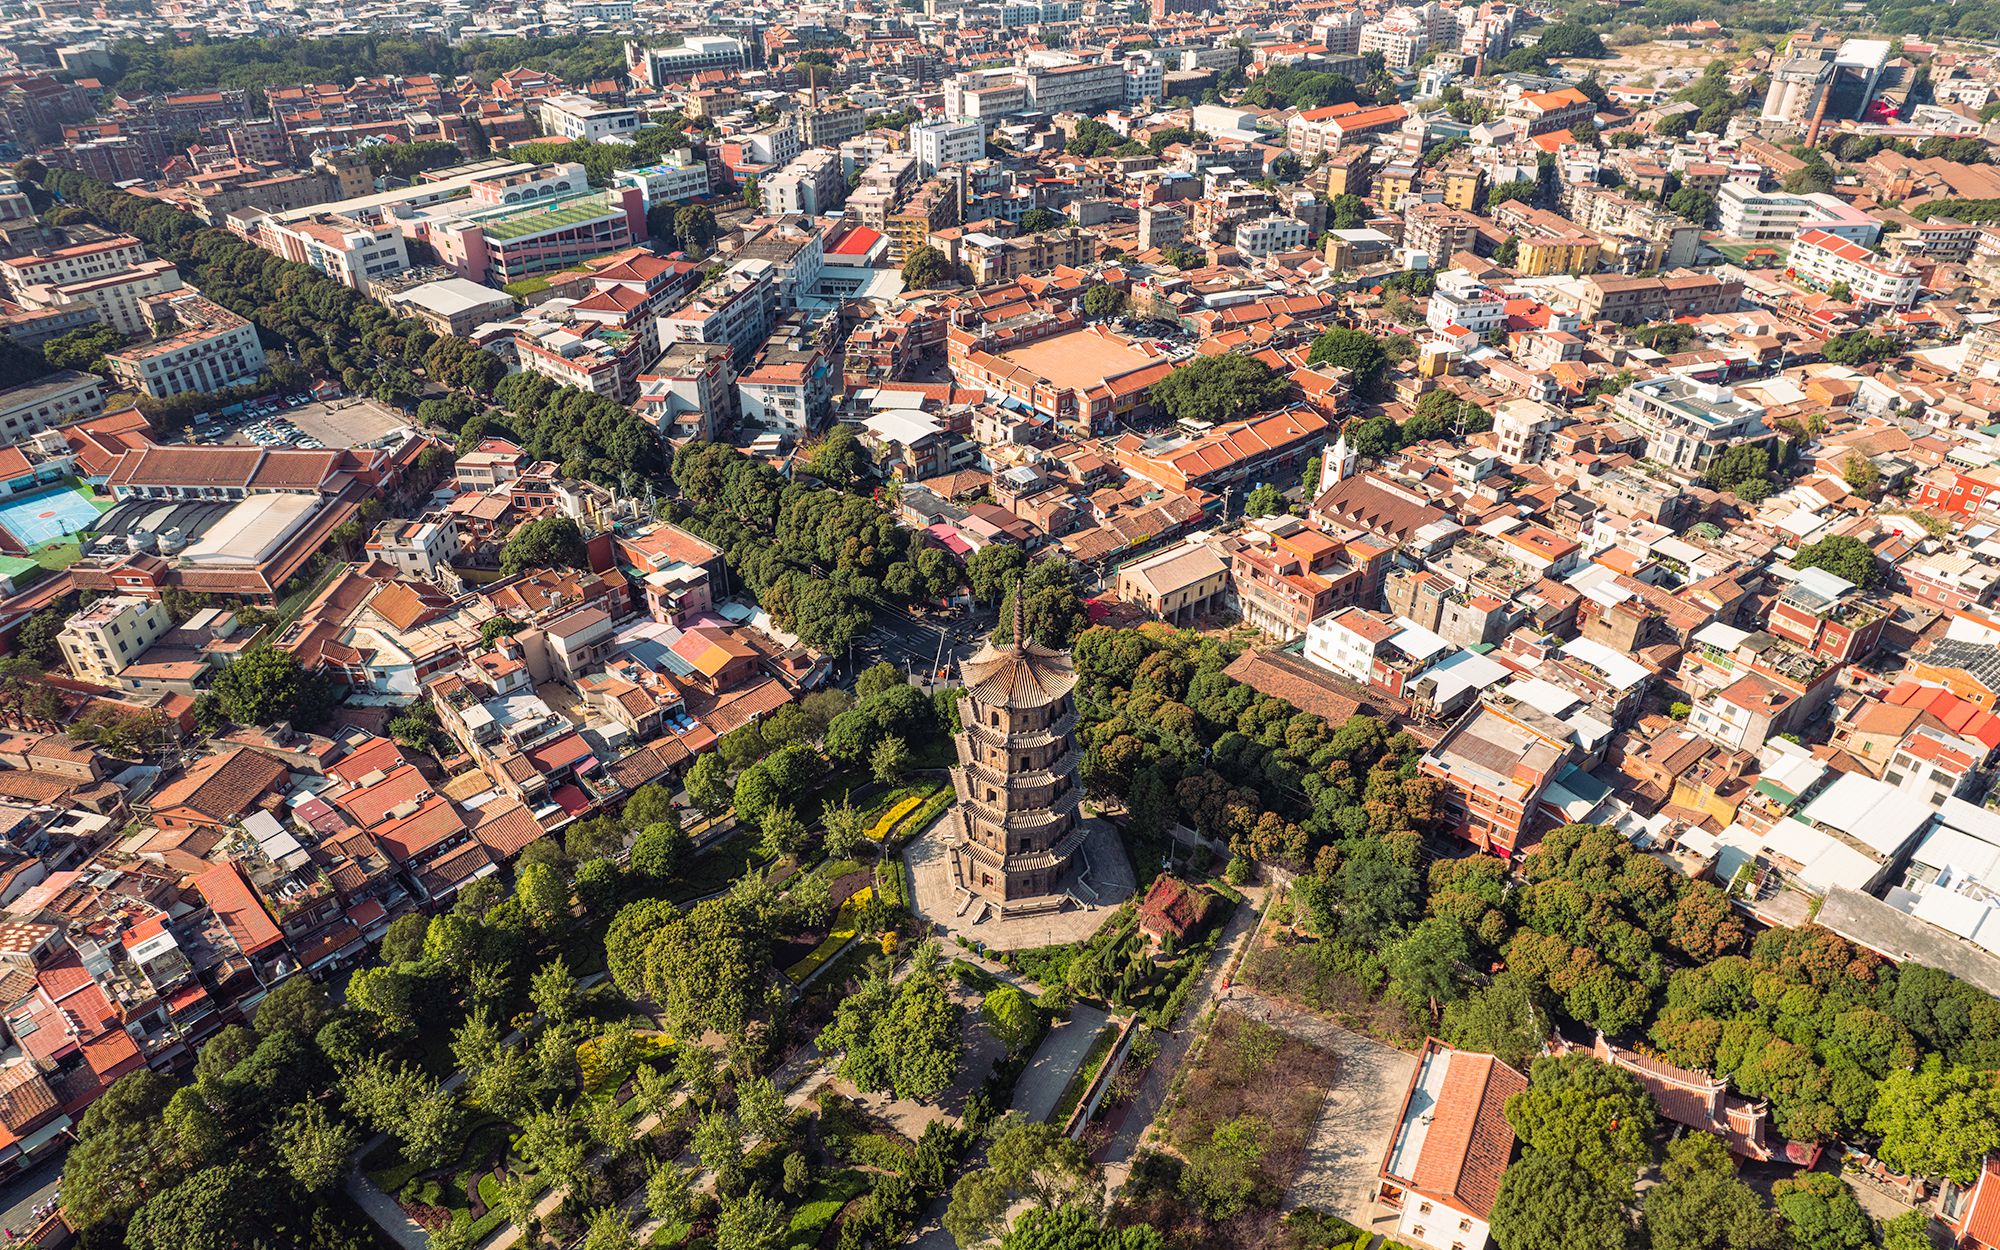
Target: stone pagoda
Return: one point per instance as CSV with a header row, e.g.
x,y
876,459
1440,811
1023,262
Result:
x,y
1016,825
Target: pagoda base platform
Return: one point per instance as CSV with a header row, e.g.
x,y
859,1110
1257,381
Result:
x,y
1098,880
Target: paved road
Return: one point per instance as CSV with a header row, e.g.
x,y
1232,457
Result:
x,y
20,1196
1359,1118
1056,1060
912,644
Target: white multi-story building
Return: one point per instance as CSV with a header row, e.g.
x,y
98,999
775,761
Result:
x,y
578,117
1824,259
1460,300
1085,88
419,548
659,66
736,309
812,185
1747,213
689,392
942,143
1265,235
47,402
678,178
72,264
774,145
198,345
1523,427
1340,32
1687,424
350,251
1145,79
1402,37
986,94
110,634
118,299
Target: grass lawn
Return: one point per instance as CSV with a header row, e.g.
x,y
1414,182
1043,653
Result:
x,y
821,1204
59,555
601,1081
714,869
486,1139
851,1133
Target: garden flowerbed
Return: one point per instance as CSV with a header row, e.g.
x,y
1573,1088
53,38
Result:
x,y
846,923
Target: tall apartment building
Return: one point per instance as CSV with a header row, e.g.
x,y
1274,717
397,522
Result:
x,y
197,345
689,392
1798,84
1401,37
940,143
812,185
789,386
736,309
933,207
1145,79
110,634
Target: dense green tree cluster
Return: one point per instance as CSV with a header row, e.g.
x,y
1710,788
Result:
x,y
83,348
817,558
1218,388
203,64
407,160
1093,138
1287,86
900,1036
1361,354
551,542
1843,556
1744,469
1862,348
1163,726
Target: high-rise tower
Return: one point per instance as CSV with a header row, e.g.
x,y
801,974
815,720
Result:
x,y
1017,823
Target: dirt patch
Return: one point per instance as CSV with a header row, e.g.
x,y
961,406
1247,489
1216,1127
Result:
x,y
1295,972
1251,1070
847,885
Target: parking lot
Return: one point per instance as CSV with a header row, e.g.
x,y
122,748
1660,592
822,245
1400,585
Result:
x,y
296,421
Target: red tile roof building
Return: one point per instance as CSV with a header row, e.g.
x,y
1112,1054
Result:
x,y
1452,1145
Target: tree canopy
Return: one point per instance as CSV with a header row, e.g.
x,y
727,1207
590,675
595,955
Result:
x,y
1219,388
